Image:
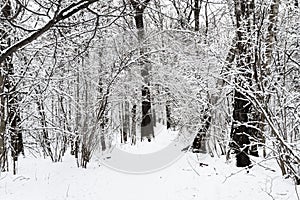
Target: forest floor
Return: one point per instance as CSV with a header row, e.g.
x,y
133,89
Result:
x,y
185,179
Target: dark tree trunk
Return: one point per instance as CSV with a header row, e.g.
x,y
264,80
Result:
x,y
168,115
199,143
133,125
9,117
75,145
4,12
168,109
125,121
45,143
2,116
14,129
240,131
102,138
206,19
147,129
197,7
103,117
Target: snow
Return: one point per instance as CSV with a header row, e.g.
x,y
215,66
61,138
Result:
x,y
163,138
183,179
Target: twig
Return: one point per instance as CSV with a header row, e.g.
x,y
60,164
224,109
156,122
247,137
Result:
x,y
192,166
267,168
269,193
232,174
21,178
3,176
296,190
247,168
67,193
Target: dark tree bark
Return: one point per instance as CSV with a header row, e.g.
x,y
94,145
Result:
x,y
168,109
147,129
133,125
45,141
75,145
14,129
61,15
168,115
240,131
206,19
10,116
199,143
4,65
184,10
197,7
125,120
104,120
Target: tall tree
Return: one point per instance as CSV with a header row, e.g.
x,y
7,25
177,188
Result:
x,y
147,129
197,8
61,13
241,131
10,114
28,31
5,12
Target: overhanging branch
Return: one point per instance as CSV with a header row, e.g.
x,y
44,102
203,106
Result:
x,y
62,15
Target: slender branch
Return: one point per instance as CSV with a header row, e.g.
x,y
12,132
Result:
x,y
62,15
265,112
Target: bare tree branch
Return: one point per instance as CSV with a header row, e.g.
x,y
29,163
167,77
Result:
x,y
62,15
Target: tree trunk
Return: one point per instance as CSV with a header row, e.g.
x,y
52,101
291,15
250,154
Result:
x,y
147,129
197,8
168,115
45,143
2,125
133,125
14,128
206,20
126,122
10,114
240,130
199,143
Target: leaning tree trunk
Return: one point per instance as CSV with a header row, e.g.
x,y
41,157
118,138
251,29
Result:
x,y
147,129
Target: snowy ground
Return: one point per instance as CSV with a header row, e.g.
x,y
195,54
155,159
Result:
x,y
40,179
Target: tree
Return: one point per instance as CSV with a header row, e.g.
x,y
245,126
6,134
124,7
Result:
x,y
45,17
10,131
242,107
147,129
60,14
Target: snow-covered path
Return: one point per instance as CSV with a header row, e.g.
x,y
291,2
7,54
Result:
x,y
183,179
40,179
